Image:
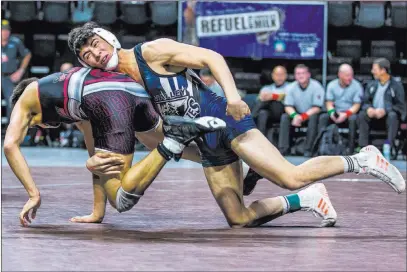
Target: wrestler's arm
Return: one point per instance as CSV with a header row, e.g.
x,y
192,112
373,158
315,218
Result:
x,y
99,194
169,52
16,131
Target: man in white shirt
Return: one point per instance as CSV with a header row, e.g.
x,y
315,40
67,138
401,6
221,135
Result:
x,y
269,107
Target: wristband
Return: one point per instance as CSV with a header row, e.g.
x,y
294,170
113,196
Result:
x,y
275,96
292,115
348,113
304,116
331,111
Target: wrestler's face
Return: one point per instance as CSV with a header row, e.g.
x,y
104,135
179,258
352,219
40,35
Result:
x,y
96,52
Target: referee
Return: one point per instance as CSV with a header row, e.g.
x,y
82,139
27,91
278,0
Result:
x,y
15,58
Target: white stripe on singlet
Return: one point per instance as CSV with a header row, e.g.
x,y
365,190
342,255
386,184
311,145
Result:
x,y
129,87
74,93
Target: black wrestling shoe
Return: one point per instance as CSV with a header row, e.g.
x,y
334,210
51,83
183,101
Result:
x,y
250,181
183,130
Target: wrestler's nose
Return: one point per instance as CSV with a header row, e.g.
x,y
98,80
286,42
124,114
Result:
x,y
97,54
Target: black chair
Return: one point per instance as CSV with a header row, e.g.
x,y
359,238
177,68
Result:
x,y
133,13
56,12
163,13
340,13
385,49
335,62
44,45
105,12
23,11
366,65
399,14
349,48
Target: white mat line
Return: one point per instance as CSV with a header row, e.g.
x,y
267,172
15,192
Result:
x,y
171,181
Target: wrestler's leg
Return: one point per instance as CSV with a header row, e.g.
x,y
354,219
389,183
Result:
x,y
226,185
265,159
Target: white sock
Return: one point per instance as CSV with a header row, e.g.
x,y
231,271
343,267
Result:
x,y
173,145
245,169
286,205
350,164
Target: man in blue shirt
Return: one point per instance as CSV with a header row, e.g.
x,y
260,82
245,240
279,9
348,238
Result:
x,y
343,99
15,58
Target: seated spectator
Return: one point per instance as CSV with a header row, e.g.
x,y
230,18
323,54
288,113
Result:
x,y
384,104
65,66
209,80
269,108
343,99
303,103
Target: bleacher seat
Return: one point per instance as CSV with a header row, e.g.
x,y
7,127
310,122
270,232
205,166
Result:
x,y
134,12
82,11
366,65
340,13
105,12
399,14
44,45
248,81
39,71
335,62
163,13
349,48
129,41
385,49
56,12
371,14
62,44
22,11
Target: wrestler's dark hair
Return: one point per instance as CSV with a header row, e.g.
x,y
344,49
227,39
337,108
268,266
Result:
x,y
20,88
79,35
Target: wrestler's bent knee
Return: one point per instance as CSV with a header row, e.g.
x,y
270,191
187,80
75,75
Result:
x,y
125,201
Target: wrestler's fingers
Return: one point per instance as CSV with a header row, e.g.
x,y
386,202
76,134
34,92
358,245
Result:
x,y
114,161
34,213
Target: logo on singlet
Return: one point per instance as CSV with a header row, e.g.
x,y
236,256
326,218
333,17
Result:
x,y
177,100
60,77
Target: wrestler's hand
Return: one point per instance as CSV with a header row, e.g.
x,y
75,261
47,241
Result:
x,y
237,109
32,204
105,164
91,218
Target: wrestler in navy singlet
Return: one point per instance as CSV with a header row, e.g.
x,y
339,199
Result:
x,y
184,94
115,105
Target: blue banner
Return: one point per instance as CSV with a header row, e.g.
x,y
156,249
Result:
x,y
257,30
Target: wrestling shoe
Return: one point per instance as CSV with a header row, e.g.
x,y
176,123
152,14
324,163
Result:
x,y
250,182
183,130
371,161
315,198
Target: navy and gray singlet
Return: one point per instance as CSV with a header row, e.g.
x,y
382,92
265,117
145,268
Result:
x,y
115,105
184,94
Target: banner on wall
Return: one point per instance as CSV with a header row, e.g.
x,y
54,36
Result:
x,y
255,29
